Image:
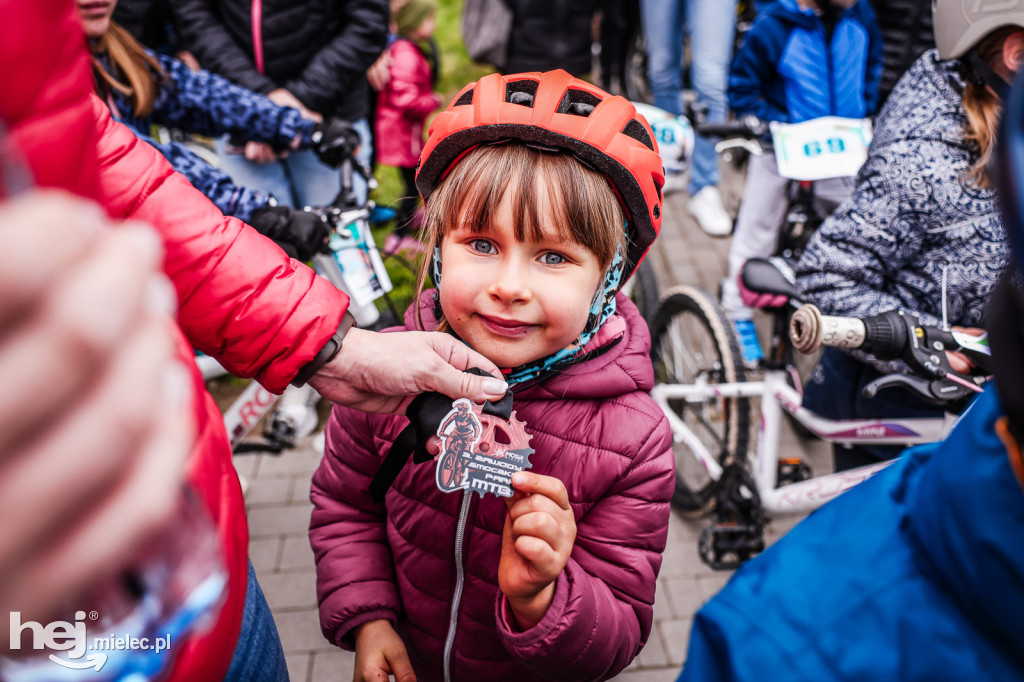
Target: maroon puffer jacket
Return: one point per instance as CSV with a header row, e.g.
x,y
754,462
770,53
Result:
x,y
595,428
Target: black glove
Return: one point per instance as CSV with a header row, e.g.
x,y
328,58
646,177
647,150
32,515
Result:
x,y
334,140
301,234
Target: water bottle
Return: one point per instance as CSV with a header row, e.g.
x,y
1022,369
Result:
x,y
129,627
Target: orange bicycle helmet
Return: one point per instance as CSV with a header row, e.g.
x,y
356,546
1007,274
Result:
x,y
556,112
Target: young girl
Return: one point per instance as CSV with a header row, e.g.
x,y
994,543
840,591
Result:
x,y
542,195
404,103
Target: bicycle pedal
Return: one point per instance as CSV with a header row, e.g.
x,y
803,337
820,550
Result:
x,y
725,547
792,470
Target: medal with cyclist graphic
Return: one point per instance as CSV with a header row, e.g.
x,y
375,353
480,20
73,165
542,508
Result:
x,y
480,452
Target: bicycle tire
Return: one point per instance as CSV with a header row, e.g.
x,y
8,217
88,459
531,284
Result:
x,y
634,70
691,341
644,291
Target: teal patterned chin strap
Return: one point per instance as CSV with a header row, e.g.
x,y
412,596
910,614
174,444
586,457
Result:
x,y
602,308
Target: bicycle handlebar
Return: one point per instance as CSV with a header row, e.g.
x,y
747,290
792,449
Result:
x,y
747,127
897,335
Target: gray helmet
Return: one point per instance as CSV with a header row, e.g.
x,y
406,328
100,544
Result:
x,y
960,24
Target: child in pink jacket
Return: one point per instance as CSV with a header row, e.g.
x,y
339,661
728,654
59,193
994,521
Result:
x,y
404,103
543,193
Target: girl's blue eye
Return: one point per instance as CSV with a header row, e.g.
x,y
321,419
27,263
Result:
x,y
552,258
483,246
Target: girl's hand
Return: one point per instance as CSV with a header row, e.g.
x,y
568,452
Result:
x,y
380,652
260,152
540,530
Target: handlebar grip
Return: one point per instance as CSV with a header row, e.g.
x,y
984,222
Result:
x,y
809,330
731,129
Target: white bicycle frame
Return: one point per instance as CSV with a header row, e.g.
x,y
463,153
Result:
x,y
777,395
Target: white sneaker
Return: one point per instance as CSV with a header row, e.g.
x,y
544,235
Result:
x,y
706,207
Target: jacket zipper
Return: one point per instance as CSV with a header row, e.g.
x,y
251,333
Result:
x,y
460,579
256,19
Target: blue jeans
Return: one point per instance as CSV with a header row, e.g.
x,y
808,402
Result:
x,y
258,655
300,179
712,26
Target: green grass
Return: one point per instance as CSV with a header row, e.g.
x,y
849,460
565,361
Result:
x,y
457,69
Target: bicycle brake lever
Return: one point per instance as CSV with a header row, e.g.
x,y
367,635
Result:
x,y
940,391
910,382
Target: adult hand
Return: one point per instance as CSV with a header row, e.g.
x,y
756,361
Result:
x,y
539,534
377,372
380,652
284,98
958,361
95,424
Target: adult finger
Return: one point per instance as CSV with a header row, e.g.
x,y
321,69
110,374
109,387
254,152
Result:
x,y
83,453
451,377
58,352
103,537
44,233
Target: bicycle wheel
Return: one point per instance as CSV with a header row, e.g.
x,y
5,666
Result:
x,y
692,342
634,76
642,287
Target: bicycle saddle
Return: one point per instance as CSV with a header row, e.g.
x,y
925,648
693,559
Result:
x,y
767,283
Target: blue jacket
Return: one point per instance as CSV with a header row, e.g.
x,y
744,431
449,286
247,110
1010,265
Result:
x,y
787,70
207,104
916,574
913,221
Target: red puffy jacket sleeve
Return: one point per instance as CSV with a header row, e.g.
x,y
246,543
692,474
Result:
x,y
241,299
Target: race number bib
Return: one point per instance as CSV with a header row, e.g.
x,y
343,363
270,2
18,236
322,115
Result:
x,y
827,147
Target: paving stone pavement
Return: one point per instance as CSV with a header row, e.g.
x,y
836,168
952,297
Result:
x,y
279,508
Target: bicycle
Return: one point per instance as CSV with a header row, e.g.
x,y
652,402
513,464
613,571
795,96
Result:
x,y
750,136
702,387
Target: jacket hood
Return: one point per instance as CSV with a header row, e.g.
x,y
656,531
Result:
x,y
931,94
623,366
965,516
789,11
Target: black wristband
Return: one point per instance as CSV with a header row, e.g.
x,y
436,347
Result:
x,y
327,353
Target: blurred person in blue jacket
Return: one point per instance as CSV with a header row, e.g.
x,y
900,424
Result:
x,y
917,573
802,60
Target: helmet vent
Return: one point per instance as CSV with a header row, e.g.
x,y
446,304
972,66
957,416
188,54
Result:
x,y
636,130
465,99
578,103
521,92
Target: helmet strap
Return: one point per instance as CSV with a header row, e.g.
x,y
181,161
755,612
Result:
x,y
986,75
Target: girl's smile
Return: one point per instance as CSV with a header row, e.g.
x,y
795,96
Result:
x,y
516,301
